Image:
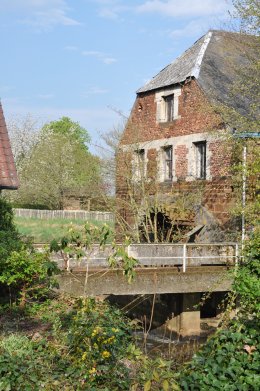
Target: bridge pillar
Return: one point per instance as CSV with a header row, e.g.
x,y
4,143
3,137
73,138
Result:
x,y
186,315
190,315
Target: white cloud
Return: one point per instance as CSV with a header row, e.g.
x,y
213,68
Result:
x,y
99,55
111,9
47,20
16,5
194,28
71,48
40,14
109,60
189,8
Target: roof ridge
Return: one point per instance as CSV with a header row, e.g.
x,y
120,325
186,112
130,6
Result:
x,y
196,69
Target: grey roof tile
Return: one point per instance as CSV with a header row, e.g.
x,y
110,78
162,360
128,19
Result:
x,y
213,61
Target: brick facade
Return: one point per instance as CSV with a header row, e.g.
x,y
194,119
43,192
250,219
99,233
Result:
x,y
196,123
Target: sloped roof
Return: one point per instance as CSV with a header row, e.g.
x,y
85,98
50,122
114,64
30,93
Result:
x,y
185,66
213,61
8,175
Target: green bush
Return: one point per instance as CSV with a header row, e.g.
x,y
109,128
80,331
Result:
x,y
9,237
229,361
27,365
22,270
98,339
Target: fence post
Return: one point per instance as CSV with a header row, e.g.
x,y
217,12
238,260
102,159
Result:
x,y
184,258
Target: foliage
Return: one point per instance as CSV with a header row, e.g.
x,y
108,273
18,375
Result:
x,y
65,126
27,365
58,162
247,279
21,269
6,221
153,374
229,361
248,14
80,242
9,237
29,273
97,339
120,259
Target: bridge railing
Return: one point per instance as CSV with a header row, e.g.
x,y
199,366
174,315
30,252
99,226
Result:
x,y
163,255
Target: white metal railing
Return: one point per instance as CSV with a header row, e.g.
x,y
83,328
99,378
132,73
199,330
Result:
x,y
179,255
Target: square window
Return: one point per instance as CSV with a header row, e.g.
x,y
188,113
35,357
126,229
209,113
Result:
x,y
200,159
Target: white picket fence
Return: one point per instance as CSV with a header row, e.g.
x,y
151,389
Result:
x,y
65,214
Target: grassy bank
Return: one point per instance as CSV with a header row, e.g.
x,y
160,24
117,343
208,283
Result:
x,y
44,230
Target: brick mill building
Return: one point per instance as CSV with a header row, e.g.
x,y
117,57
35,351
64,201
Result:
x,y
173,147
8,175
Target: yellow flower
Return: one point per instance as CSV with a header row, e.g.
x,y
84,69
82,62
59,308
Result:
x,y
110,340
106,354
114,330
84,356
92,371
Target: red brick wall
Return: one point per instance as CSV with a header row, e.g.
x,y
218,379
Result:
x,y
194,109
197,116
181,165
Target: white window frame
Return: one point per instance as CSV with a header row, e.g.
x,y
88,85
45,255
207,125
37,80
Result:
x,y
200,149
168,163
139,164
161,104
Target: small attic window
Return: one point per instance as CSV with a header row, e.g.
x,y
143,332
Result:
x,y
167,102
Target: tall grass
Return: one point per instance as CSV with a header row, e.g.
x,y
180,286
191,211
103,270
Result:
x,y
44,230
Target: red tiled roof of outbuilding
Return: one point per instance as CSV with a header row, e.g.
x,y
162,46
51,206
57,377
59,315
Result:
x,y
8,175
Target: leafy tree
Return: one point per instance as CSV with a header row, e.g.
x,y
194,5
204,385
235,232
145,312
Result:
x,y
60,161
65,126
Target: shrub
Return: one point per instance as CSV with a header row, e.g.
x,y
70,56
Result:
x,y
98,340
231,359
21,269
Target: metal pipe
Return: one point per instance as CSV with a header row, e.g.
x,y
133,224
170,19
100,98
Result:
x,y
243,196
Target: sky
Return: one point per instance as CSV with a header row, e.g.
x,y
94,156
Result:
x,y
85,59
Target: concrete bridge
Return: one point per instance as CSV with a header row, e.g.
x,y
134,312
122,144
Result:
x,y
163,268
183,270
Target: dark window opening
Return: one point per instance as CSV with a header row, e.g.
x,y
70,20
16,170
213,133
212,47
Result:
x,y
169,107
200,159
168,163
159,228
